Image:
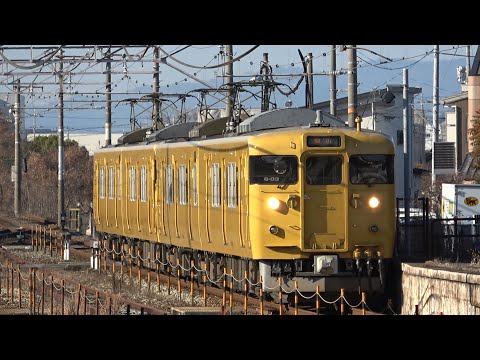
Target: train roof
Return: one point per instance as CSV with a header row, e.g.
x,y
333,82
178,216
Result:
x,y
269,122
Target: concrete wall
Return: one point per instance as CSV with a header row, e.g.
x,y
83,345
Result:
x,y
438,291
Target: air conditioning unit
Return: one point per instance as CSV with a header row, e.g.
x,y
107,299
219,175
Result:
x,y
444,161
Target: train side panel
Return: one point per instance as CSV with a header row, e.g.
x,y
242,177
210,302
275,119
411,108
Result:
x,y
286,244
222,208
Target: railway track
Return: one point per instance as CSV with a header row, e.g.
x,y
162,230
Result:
x,y
238,299
18,263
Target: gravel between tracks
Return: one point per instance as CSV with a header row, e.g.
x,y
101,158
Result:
x,y
156,296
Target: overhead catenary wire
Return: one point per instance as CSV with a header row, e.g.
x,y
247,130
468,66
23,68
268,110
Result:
x,y
211,66
42,62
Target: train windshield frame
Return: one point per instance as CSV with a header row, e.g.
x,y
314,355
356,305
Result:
x,y
273,169
371,169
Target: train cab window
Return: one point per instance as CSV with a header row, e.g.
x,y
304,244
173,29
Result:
x,y
102,182
216,185
182,185
119,183
143,183
273,170
371,169
232,178
194,185
323,170
132,177
111,182
169,184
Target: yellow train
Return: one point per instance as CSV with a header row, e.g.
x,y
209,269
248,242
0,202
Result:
x,y
286,195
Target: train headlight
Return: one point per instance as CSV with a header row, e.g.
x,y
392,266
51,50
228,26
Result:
x,y
373,202
274,203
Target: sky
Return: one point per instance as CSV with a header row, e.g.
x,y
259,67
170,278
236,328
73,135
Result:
x,y
86,112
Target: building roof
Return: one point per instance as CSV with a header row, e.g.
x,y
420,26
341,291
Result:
x,y
452,99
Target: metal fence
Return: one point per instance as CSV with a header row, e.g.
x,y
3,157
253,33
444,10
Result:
x,y
421,236
456,240
412,240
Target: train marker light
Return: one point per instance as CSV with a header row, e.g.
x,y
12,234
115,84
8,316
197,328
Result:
x,y
273,203
373,202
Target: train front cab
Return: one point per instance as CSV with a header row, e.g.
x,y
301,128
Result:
x,y
346,209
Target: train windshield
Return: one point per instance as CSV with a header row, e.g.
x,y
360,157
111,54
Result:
x,y
273,169
371,169
324,170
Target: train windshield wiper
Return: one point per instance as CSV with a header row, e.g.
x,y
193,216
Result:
x,y
282,185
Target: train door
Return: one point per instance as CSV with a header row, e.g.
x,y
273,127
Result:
x,y
110,194
216,202
118,192
193,200
99,193
151,201
324,202
160,198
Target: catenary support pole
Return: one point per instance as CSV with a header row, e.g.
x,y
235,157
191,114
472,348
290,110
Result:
x,y
60,205
108,100
435,107
17,170
352,84
333,80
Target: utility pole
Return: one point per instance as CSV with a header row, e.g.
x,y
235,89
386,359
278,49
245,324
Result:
x,y
156,88
406,148
229,80
18,172
60,210
265,88
310,80
108,100
467,53
435,107
333,81
352,84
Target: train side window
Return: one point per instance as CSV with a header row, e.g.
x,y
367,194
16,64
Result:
x,y
194,185
182,185
169,184
102,182
119,182
133,183
216,185
324,170
111,182
143,183
232,178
